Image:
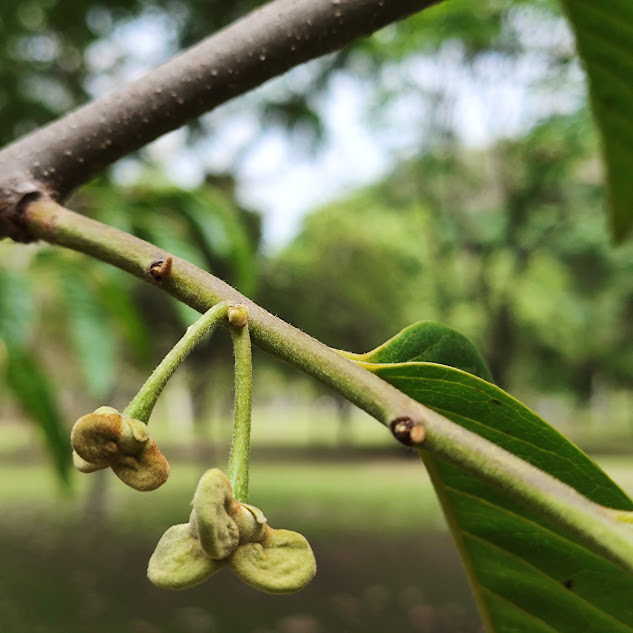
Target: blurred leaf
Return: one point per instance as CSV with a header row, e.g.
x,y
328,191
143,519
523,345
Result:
x,y
90,329
30,385
168,233
16,307
114,289
527,575
604,38
212,213
429,342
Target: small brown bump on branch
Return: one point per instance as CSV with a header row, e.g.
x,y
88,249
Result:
x,y
406,431
417,434
160,269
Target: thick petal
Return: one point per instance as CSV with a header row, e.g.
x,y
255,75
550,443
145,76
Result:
x,y
134,436
95,436
178,561
282,562
214,507
251,523
146,471
85,467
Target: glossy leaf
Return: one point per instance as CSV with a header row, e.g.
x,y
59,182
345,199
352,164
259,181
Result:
x,y
604,39
32,388
527,576
429,342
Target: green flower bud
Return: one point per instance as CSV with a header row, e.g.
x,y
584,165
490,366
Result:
x,y
238,315
178,562
221,531
282,562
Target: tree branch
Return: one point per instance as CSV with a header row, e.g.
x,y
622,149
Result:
x,y
589,522
263,44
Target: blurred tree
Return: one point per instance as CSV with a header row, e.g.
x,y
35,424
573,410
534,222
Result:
x,y
341,279
506,244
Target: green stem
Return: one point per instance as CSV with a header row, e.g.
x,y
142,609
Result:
x,y
240,444
141,406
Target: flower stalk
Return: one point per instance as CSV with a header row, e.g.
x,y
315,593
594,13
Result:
x,y
143,403
240,444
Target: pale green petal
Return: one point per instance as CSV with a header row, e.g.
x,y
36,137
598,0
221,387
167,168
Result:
x,y
214,505
179,562
282,562
95,436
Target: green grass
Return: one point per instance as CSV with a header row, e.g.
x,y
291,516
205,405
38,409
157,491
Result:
x,y
367,520
385,561
390,496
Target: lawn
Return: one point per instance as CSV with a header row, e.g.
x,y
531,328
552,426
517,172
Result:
x,y
76,563
385,561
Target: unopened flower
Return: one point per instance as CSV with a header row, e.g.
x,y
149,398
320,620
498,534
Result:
x,y
222,532
105,439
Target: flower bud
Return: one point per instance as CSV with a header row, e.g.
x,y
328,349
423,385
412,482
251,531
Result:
x,y
105,438
223,532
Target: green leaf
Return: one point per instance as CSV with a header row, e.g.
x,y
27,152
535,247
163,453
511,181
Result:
x,y
16,307
527,576
115,290
90,329
30,385
430,342
213,213
604,39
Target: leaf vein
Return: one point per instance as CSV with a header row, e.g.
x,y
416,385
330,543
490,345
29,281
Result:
x,y
572,594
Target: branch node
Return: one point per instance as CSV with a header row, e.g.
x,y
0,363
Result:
x,y
238,315
406,431
160,269
12,224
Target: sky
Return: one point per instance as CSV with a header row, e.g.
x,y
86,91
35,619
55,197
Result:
x,y
277,175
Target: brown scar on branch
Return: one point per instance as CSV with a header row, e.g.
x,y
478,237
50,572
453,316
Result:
x,y
406,431
160,269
